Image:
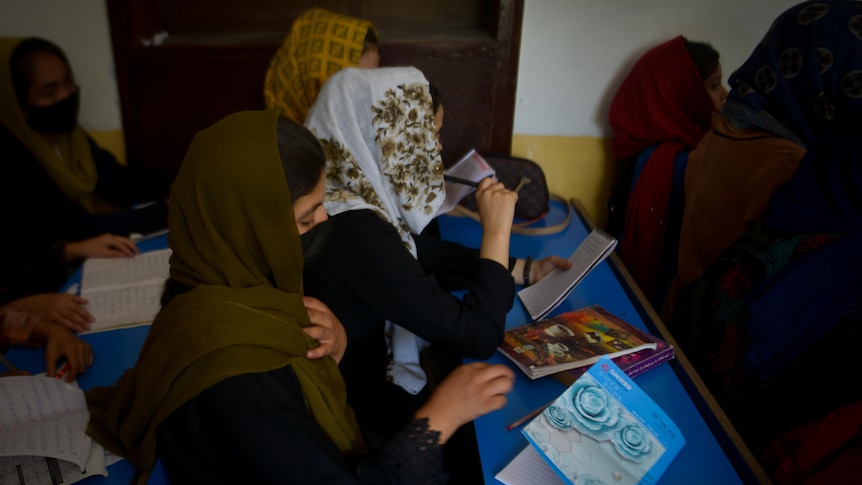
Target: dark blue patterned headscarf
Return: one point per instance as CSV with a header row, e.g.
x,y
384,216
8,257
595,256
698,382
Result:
x,y
807,75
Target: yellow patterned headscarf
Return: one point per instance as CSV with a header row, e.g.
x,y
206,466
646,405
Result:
x,y
319,44
235,241
70,164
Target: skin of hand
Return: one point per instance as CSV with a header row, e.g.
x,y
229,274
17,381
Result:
x,y
539,269
496,205
59,308
104,246
326,328
59,342
470,391
14,374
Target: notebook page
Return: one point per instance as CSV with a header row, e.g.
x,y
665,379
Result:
x,y
111,272
471,167
528,468
43,416
542,297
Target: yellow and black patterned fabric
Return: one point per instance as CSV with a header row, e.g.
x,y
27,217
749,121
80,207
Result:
x,y
319,44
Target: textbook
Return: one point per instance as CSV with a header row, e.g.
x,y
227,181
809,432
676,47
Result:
x,y
633,364
470,168
125,292
42,432
605,429
570,340
541,298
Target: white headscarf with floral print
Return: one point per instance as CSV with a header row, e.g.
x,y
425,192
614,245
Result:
x,y
377,129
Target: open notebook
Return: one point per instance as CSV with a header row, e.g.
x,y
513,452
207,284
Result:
x,y
541,298
125,292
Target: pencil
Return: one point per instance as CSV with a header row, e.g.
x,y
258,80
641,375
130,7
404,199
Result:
x,y
66,368
528,417
459,180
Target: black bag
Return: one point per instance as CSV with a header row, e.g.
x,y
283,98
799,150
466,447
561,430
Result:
x,y
528,179
524,175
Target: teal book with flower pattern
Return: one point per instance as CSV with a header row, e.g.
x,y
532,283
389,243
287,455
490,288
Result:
x,y
604,429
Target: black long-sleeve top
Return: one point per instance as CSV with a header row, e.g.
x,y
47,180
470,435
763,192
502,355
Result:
x,y
254,428
366,276
36,216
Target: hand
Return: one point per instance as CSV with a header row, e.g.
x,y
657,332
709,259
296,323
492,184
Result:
x,y
539,269
59,308
326,328
104,246
496,206
60,342
470,391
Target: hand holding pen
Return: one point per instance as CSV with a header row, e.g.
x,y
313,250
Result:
x,y
522,181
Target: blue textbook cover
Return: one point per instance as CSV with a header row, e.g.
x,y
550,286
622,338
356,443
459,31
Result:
x,y
604,429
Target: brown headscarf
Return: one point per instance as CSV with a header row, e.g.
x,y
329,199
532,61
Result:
x,y
235,241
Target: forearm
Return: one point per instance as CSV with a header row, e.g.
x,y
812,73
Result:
x,y
495,246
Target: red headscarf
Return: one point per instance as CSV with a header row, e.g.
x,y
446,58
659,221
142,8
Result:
x,y
661,102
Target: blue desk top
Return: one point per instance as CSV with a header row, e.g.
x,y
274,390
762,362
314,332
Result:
x,y
114,352
702,460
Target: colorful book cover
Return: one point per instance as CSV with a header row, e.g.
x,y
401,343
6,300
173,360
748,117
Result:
x,y
633,364
604,429
570,340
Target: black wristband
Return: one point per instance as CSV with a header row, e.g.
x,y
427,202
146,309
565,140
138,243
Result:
x,y
528,264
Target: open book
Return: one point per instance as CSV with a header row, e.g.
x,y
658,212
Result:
x,y
571,340
42,424
125,291
541,298
605,429
471,167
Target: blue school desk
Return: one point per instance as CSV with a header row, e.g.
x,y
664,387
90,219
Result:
x,y
114,351
713,453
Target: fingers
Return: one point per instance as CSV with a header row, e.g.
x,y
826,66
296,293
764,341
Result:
x,y
312,303
325,338
75,318
118,246
78,356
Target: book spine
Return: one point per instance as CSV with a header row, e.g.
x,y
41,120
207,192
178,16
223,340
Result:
x,y
569,377
653,361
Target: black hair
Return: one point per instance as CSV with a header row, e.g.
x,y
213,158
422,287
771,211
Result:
x,y
21,64
371,43
705,57
302,157
436,97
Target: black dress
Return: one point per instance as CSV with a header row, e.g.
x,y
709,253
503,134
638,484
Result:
x,y
37,217
254,428
366,276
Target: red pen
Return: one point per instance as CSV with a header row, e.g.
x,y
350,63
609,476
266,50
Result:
x,y
66,368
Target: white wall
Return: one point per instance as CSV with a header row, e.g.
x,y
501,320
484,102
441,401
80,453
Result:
x,y
574,53
80,28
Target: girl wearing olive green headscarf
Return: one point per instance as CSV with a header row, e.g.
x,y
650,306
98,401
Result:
x,y
236,250
319,44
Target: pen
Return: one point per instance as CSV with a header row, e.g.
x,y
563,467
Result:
x,y
459,180
528,417
66,368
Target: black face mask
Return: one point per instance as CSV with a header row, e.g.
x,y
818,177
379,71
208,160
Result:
x,y
60,117
314,242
